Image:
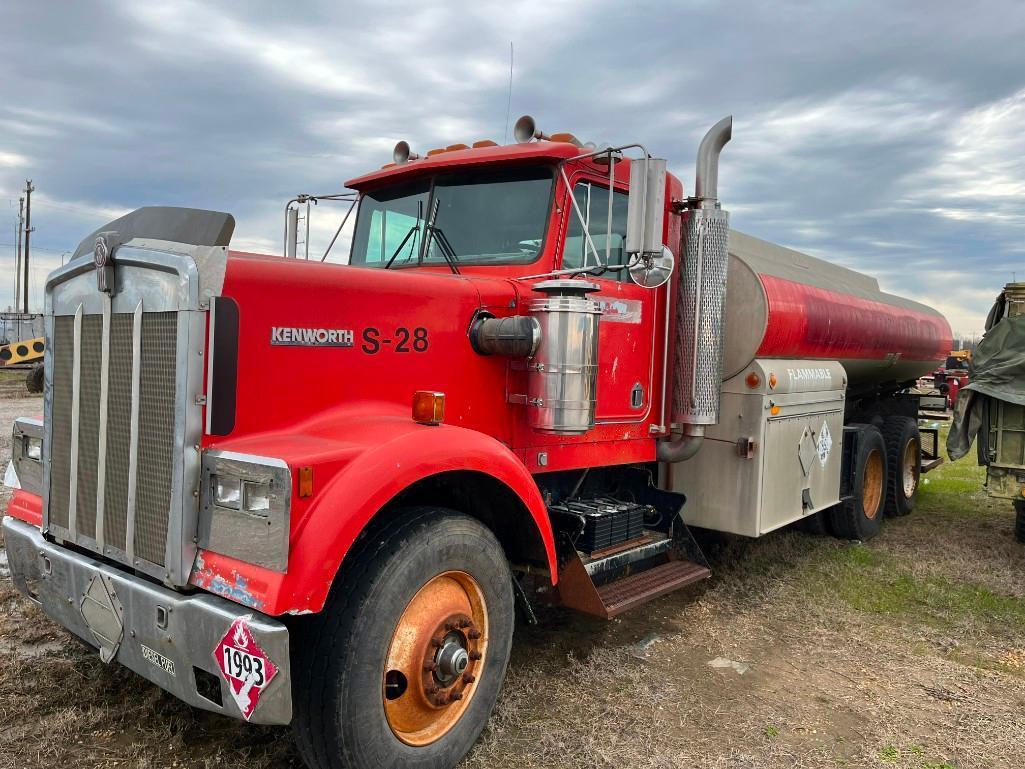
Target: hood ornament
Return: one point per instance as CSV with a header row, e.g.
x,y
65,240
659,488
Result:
x,y
103,258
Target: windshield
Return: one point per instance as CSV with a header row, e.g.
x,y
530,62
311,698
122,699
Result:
x,y
494,217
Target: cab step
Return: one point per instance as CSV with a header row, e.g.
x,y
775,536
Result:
x,y
662,557
631,591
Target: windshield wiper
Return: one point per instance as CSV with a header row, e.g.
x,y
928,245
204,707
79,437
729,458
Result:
x,y
432,231
414,228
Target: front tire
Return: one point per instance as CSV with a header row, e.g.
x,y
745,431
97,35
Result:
x,y
1019,520
404,665
904,458
861,516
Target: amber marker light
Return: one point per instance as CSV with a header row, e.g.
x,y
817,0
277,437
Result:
x,y
753,380
428,407
772,380
774,410
306,481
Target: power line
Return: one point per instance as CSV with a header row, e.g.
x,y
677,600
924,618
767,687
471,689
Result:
x,y
57,251
71,208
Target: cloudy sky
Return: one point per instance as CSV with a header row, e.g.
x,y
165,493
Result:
x,y
888,136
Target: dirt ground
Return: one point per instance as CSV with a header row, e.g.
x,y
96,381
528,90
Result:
x,y
906,652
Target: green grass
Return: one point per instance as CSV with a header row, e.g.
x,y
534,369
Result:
x,y
953,486
889,754
871,581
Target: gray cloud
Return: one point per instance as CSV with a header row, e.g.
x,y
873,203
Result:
x,y
886,137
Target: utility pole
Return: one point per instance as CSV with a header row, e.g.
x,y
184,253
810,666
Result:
x,y
17,254
29,189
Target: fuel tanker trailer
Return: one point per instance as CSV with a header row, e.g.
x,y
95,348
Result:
x,y
300,492
815,358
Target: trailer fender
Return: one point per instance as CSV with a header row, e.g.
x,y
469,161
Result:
x,y
396,455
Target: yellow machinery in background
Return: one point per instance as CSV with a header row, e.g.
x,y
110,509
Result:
x,y
29,351
25,351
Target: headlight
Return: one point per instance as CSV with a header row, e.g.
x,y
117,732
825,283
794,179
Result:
x,y
237,494
227,491
32,448
247,502
256,496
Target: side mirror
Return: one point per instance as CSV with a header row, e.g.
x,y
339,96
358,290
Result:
x,y
646,209
652,270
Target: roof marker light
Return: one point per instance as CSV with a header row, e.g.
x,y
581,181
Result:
x,y
568,138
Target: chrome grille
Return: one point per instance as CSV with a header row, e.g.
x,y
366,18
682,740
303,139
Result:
x,y
156,433
88,424
119,425
62,351
155,411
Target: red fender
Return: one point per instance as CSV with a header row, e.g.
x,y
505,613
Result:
x,y
367,472
26,506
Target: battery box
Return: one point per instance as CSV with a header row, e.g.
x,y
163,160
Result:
x,y
607,522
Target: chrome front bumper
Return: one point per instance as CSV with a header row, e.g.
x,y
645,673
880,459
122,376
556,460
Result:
x,y
167,636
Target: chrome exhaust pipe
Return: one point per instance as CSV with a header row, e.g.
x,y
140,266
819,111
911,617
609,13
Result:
x,y
700,300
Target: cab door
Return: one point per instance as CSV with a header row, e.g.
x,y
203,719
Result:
x,y
626,330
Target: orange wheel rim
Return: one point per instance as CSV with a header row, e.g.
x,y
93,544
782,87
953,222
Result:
x,y
872,486
910,468
436,655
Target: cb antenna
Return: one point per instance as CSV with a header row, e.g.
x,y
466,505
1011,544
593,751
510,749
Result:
x,y
508,102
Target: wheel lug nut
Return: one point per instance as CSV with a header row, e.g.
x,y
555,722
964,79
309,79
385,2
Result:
x,y
456,696
468,678
474,655
473,635
464,623
432,689
450,626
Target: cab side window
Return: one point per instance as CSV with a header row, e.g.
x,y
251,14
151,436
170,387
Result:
x,y
593,202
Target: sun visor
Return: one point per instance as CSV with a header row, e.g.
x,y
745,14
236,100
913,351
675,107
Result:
x,y
191,226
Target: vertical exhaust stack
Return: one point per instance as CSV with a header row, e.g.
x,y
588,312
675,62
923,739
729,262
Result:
x,y
700,298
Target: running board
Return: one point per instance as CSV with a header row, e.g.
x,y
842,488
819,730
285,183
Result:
x,y
578,591
609,583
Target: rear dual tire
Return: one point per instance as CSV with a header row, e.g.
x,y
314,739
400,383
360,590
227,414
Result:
x,y
364,692
861,516
904,458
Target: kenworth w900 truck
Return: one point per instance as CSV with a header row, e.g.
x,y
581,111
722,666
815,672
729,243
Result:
x,y
313,494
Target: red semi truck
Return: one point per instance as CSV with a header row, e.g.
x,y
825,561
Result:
x,y
314,494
